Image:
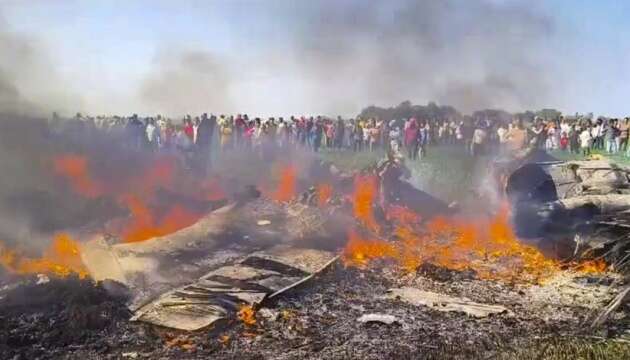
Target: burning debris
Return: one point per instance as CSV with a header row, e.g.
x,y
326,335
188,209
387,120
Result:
x,y
208,258
61,259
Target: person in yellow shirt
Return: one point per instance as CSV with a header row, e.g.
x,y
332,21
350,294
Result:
x,y
226,131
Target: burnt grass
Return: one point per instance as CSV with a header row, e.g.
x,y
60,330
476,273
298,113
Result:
x,y
77,319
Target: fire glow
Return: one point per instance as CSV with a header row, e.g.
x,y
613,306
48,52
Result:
x,y
62,258
247,315
487,246
74,168
363,200
144,224
286,185
137,193
324,194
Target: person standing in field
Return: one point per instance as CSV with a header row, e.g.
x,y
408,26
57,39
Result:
x,y
516,137
153,135
478,140
357,136
623,134
574,139
188,129
423,139
502,133
411,138
340,130
394,137
564,141
585,141
226,132
611,135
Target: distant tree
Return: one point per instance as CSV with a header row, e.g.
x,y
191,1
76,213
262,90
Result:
x,y
407,110
494,115
549,114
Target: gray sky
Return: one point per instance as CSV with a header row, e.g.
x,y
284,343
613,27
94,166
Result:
x,y
286,57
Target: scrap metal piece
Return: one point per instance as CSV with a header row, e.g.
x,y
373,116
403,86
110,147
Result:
x,y
220,293
378,318
441,302
224,236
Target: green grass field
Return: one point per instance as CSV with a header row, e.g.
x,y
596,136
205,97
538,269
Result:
x,y
618,158
447,172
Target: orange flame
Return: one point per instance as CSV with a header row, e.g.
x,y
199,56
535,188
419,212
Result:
x,y
365,191
224,339
287,185
597,266
61,259
75,169
487,246
324,193
144,225
359,251
247,315
136,190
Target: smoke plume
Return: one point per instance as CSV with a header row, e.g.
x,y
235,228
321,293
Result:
x,y
187,82
29,82
469,54
324,57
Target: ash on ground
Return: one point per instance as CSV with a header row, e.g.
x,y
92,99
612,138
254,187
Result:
x,y
76,319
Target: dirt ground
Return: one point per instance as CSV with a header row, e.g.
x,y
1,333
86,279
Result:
x,y
74,319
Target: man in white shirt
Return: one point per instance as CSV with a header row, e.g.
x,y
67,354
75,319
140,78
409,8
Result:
x,y
585,141
478,141
153,134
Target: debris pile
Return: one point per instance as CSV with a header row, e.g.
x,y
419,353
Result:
x,y
258,277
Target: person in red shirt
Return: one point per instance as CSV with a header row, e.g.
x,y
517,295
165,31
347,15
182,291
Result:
x,y
189,129
411,138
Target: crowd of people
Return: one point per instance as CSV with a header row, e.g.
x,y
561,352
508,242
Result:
x,y
411,137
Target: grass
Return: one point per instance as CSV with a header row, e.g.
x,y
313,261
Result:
x,y
618,158
447,172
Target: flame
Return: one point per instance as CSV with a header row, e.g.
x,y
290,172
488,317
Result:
x,y
597,266
224,339
180,341
62,258
287,185
144,225
402,214
75,169
134,191
324,193
247,315
487,246
359,252
365,191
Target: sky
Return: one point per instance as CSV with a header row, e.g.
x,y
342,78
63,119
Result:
x,y
281,57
